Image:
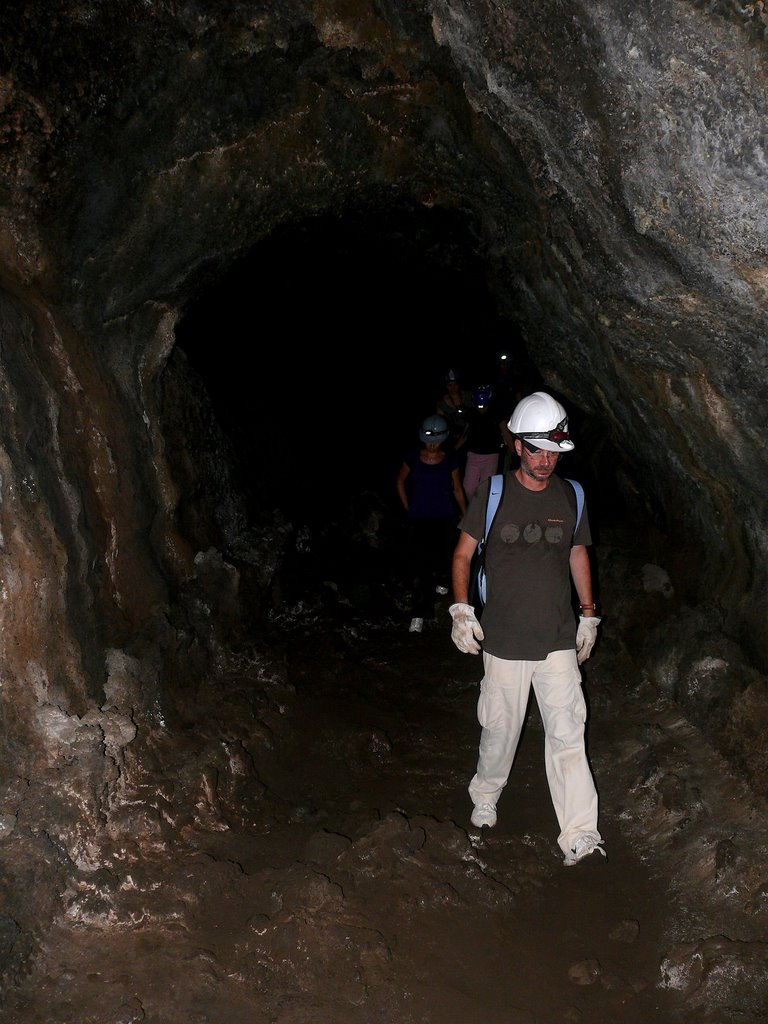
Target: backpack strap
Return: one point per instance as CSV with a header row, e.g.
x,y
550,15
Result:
x,y
495,491
579,490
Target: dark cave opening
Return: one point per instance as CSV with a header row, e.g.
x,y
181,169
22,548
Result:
x,y
324,347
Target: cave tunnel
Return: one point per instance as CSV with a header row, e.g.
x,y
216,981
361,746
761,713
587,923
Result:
x,y
331,339
239,247
321,352
343,326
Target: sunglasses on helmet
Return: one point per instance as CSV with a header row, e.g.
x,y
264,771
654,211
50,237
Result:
x,y
557,435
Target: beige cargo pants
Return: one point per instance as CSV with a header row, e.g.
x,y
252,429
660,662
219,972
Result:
x,y
501,710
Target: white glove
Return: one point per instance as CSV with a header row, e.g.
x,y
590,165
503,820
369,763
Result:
x,y
466,630
586,635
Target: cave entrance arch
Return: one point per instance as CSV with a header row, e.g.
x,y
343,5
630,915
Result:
x,y
324,346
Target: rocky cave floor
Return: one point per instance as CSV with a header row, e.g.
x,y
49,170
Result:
x,y
300,852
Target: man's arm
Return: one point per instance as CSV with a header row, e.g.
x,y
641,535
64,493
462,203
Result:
x,y
466,632
586,633
462,560
458,491
581,571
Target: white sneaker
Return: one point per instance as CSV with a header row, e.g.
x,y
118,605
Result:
x,y
442,591
483,814
416,626
582,848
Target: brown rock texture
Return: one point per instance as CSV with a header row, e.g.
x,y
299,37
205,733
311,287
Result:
x,y
598,166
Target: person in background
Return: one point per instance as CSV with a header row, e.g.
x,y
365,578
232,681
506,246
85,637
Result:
x,y
529,634
454,406
483,440
429,488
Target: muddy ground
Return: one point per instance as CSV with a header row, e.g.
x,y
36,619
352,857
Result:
x,y
301,853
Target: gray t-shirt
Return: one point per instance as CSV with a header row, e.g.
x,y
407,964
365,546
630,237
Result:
x,y
528,611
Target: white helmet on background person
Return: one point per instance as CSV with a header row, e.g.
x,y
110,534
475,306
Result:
x,y
540,419
434,430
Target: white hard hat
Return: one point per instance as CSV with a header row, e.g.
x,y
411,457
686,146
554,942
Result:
x,y
540,419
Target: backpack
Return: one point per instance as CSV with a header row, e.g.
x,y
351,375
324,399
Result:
x,y
495,491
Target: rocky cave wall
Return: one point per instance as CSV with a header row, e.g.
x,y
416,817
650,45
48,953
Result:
x,y
609,162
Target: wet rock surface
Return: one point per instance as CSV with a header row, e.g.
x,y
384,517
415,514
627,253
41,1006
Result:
x,y
299,850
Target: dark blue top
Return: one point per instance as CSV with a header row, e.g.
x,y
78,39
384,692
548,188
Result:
x,y
430,488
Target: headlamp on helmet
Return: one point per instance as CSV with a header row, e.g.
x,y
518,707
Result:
x,y
434,430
